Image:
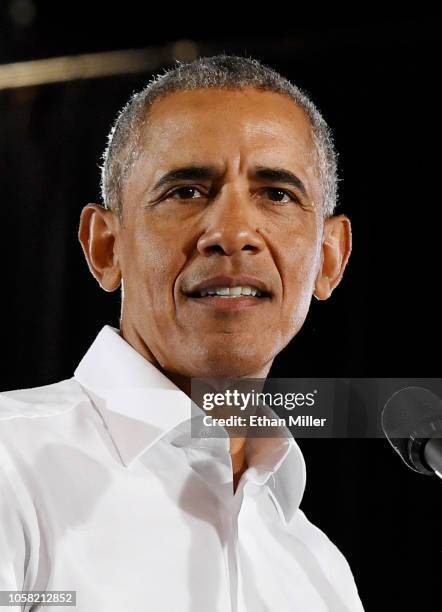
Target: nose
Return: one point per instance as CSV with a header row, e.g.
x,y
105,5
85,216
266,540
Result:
x,y
232,225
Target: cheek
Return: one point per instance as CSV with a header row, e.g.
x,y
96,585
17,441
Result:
x,y
299,280
151,264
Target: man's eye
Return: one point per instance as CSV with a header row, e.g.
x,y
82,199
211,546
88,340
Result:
x,y
280,196
185,193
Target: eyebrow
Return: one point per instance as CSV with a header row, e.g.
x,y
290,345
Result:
x,y
195,173
187,173
279,175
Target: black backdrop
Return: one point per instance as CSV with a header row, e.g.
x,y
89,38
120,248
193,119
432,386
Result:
x,y
374,81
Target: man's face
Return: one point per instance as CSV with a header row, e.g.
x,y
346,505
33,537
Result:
x,y
226,186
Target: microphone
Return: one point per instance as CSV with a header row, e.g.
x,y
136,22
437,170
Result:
x,y
412,423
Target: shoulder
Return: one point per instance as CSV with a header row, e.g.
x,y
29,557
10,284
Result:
x,y
33,422
31,418
333,562
38,402
44,434
317,540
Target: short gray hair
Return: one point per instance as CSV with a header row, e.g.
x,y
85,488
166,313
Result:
x,y
227,72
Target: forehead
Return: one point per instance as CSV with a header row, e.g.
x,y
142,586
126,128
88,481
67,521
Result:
x,y
211,121
230,131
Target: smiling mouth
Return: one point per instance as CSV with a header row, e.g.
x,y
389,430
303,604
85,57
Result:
x,y
229,293
229,299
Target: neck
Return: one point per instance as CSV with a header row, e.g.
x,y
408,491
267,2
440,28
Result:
x,y
180,380
238,456
237,445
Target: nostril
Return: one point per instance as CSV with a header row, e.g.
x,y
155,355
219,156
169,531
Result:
x,y
216,248
228,241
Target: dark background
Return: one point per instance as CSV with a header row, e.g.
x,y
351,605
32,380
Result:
x,y
373,77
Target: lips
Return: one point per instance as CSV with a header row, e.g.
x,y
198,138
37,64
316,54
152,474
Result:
x,y
257,287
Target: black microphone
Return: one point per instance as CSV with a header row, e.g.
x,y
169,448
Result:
x,y
412,423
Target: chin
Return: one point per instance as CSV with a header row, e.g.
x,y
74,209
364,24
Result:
x,y
234,362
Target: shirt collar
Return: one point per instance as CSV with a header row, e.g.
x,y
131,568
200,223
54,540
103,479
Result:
x,y
279,463
140,405
137,402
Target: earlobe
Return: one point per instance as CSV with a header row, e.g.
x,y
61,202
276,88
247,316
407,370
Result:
x,y
336,249
97,234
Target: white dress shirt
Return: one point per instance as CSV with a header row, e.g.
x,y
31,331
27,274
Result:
x,y
103,491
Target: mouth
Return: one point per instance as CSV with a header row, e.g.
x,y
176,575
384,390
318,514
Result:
x,y
229,293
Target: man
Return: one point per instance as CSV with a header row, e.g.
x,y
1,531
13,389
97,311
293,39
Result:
x,y
219,185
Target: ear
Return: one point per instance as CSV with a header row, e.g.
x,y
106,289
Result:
x,y
97,234
336,249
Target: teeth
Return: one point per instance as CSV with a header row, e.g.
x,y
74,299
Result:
x,y
231,291
222,291
235,291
